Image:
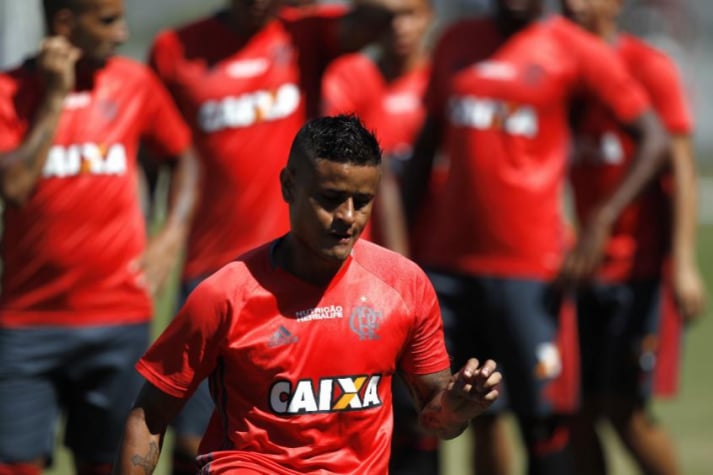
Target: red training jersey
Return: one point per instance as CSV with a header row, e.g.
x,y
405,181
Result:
x,y
602,156
67,252
504,107
245,102
395,111
301,375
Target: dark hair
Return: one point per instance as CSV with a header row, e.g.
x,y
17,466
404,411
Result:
x,y
340,138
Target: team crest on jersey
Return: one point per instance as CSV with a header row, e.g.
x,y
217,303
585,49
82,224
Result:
x,y
249,109
88,158
334,394
492,114
365,322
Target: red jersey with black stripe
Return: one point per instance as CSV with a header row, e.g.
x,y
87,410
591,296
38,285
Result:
x,y
301,375
66,252
244,101
603,154
504,106
394,110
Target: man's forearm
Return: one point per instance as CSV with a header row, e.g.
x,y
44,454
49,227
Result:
x,y
21,168
436,419
140,449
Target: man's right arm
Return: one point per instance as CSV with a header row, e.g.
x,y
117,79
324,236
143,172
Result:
x,y
144,431
418,169
20,168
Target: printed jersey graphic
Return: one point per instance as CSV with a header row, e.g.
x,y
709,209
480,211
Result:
x,y
88,158
326,395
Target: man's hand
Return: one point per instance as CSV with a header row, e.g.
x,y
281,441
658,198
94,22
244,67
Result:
x,y
472,390
582,261
688,290
161,255
56,62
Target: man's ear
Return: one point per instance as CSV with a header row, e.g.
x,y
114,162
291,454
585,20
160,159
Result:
x,y
287,182
63,22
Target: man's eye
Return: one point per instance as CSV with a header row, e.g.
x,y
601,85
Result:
x,y
108,20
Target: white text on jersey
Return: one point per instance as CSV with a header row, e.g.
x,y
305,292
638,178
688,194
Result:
x,y
88,158
347,393
492,114
248,109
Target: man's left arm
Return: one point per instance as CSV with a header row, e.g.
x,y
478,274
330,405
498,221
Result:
x,y
446,403
166,244
688,287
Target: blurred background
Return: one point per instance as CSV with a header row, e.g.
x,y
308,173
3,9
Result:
x,y
682,28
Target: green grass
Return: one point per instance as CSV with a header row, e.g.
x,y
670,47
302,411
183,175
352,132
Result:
x,y
689,418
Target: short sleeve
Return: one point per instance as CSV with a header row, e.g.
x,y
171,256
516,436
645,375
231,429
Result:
x,y
605,76
667,93
188,349
12,126
340,87
164,129
426,349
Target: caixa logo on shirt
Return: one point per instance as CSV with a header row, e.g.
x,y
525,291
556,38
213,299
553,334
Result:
x,y
88,158
344,393
491,114
248,109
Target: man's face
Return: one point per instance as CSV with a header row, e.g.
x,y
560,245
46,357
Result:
x,y
255,13
591,13
520,10
412,19
330,204
99,28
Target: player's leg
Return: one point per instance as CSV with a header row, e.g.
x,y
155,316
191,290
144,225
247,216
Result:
x,y
28,399
594,305
191,423
101,386
535,343
493,449
466,310
627,401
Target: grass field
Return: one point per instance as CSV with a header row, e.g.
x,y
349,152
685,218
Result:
x,y
689,418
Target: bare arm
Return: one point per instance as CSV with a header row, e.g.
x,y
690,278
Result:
x,y
652,145
144,431
417,172
21,168
390,214
166,244
687,282
446,403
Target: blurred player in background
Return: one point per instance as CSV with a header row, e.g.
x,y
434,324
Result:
x,y
301,337
498,104
620,312
385,88
245,80
78,274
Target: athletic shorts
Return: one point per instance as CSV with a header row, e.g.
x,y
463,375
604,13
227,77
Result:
x,y
85,373
525,326
619,338
193,419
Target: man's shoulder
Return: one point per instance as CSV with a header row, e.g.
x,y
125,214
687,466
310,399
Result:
x,y
640,53
389,266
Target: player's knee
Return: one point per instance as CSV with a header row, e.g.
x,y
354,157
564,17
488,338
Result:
x,y
546,436
26,468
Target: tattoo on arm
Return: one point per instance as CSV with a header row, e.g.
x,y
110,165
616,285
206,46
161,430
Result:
x,y
147,462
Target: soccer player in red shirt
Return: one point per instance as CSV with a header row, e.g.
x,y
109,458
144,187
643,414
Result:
x,y
245,80
78,271
385,88
620,312
498,105
300,338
